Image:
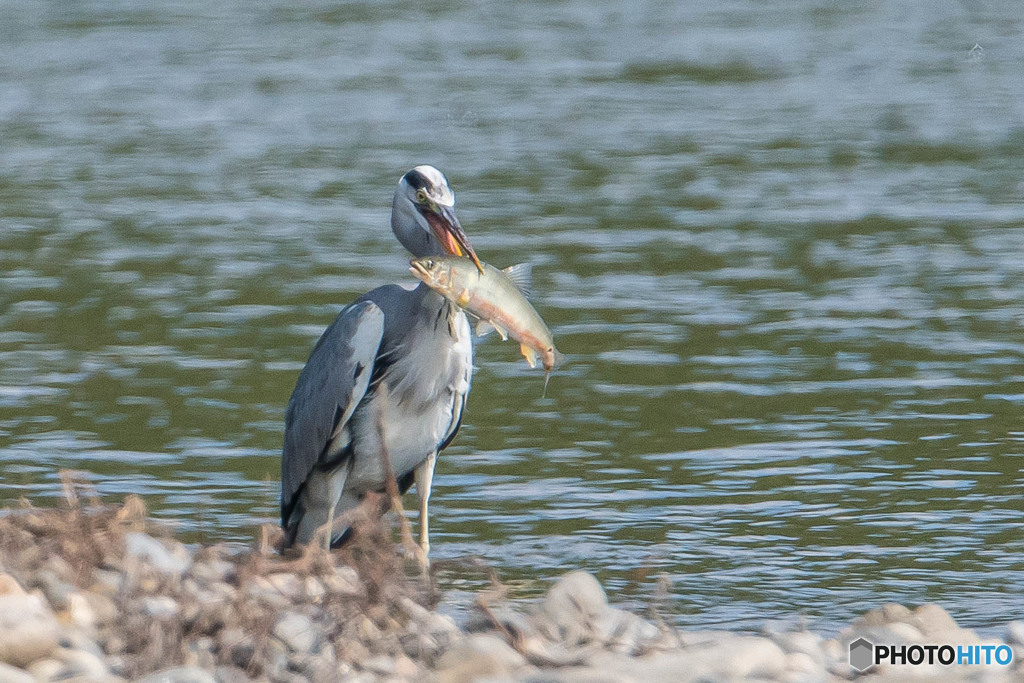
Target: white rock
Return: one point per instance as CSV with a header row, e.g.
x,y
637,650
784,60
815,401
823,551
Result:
x,y
297,632
10,586
414,610
80,611
886,614
49,670
160,606
932,620
57,592
731,658
1015,633
286,584
173,558
76,639
801,666
625,631
9,674
344,581
212,571
892,633
182,674
28,629
84,663
110,582
478,656
313,589
739,657
382,665
799,641
440,625
229,674
571,607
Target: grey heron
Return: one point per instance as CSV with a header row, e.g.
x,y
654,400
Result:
x,y
388,378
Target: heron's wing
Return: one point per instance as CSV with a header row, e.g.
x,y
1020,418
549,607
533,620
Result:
x,y
329,388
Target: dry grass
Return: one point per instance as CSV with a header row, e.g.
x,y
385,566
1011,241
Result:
x,y
227,601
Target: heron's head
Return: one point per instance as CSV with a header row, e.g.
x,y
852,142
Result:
x,y
423,216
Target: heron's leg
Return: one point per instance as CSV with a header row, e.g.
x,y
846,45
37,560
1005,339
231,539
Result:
x,y
330,530
424,475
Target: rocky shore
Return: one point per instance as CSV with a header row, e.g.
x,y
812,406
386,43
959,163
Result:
x,y
102,593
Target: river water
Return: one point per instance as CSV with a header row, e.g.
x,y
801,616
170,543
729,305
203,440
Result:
x,y
781,242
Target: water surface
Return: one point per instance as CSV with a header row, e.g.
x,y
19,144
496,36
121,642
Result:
x,y
782,243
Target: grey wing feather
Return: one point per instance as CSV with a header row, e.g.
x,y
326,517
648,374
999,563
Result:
x,y
328,390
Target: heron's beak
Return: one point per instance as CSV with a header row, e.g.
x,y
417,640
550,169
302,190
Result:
x,y
449,232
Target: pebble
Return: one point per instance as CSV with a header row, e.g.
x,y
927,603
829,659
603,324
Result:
x,y
382,665
801,665
10,586
313,589
886,614
1015,633
288,585
10,674
212,571
107,581
343,581
76,639
80,611
229,674
932,621
297,632
253,616
239,646
182,674
28,629
160,607
57,592
476,657
82,663
731,658
48,669
571,607
171,559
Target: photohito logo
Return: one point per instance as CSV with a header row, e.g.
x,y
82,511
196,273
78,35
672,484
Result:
x,y
864,654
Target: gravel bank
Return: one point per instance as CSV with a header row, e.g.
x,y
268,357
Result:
x,y
101,593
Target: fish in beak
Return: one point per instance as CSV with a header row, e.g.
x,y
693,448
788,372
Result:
x,y
449,232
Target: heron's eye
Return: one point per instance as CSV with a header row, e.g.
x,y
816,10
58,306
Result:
x,y
421,196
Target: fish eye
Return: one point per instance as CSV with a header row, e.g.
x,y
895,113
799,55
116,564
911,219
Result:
x,y
429,263
421,196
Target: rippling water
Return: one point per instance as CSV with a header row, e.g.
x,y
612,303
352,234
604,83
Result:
x,y
782,243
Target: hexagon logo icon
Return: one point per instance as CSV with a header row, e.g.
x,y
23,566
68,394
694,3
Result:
x,y
862,654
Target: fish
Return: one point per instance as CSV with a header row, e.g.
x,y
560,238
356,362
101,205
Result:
x,y
497,298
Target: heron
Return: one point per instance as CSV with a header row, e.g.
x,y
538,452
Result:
x,y
387,382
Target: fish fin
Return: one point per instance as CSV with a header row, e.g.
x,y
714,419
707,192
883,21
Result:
x,y
529,354
521,275
485,327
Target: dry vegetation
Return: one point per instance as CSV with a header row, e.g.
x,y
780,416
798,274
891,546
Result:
x,y
224,608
